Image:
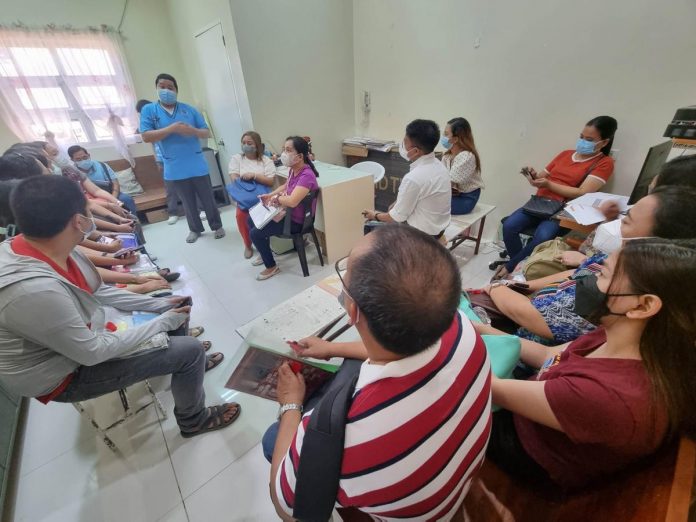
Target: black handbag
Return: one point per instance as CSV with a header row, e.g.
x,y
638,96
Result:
x,y
544,208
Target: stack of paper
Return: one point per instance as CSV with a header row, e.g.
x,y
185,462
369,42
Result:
x,y
261,215
585,209
370,143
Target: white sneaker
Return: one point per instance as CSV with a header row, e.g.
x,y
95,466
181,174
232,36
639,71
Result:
x,y
172,220
203,216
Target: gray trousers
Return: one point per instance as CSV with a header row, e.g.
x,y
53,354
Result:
x,y
200,186
184,359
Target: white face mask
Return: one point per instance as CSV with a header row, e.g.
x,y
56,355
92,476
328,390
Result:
x,y
608,237
287,159
91,230
402,151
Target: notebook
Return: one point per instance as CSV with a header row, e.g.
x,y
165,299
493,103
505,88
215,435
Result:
x,y
261,215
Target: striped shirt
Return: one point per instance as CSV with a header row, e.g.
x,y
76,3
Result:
x,y
416,432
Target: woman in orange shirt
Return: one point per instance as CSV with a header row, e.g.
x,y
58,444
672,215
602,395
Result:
x,y
570,174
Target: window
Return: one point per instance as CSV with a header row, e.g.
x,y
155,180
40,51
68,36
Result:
x,y
74,84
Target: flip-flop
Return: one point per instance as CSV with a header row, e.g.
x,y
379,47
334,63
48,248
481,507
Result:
x,y
196,331
168,275
213,360
207,345
215,420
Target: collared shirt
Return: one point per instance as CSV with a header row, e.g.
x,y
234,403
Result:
x,y
101,173
416,431
182,155
424,200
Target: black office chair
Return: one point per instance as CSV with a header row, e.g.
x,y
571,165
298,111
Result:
x,y
307,228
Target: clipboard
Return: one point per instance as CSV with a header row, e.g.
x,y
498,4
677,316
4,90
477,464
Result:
x,y
261,215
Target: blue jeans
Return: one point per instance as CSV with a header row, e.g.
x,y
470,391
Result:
x,y
465,202
262,238
518,221
184,359
128,202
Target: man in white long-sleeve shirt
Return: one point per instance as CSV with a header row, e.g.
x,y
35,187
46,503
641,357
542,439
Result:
x,y
54,344
424,200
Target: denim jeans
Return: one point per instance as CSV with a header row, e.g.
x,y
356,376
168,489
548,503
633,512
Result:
x,y
519,221
184,359
261,238
464,203
128,202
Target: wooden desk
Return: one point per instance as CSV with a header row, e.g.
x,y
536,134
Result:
x,y
568,221
345,193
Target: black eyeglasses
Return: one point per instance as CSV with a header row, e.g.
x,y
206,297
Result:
x,y
341,266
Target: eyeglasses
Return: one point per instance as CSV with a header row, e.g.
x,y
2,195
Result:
x,y
341,267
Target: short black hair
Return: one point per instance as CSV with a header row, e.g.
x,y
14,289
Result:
x,y
407,287
165,76
16,164
43,205
73,149
675,217
680,171
142,103
425,134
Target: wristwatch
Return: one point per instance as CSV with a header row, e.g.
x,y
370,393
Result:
x,y
377,216
288,407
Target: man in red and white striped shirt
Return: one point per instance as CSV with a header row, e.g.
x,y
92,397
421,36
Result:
x,y
420,418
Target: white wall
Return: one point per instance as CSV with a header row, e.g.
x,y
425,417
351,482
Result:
x,y
147,42
296,61
543,68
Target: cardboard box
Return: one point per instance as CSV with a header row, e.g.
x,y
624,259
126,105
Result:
x,y
155,216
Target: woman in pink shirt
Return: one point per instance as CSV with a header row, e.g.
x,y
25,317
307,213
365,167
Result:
x,y
302,178
615,395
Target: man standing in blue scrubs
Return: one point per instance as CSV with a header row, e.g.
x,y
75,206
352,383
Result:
x,y
177,128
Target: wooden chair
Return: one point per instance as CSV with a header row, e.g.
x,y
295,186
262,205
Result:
x,y
658,489
307,205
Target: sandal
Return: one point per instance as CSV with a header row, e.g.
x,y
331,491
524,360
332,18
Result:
x,y
168,275
207,345
500,273
213,360
196,331
216,419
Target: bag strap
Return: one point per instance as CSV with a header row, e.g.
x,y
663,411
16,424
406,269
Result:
x,y
590,169
319,471
107,178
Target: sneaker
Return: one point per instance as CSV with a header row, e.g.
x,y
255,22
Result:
x,y
257,262
172,220
192,237
202,215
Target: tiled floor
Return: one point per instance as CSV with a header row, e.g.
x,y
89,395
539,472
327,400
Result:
x,y
67,474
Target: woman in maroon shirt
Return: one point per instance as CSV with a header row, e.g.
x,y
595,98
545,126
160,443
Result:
x,y
614,395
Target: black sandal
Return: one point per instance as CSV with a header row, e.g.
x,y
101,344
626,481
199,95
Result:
x,y
215,420
213,360
207,345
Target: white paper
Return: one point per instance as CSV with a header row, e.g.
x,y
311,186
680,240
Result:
x,y
261,215
585,209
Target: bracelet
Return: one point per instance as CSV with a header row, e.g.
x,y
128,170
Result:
x,y
377,216
288,407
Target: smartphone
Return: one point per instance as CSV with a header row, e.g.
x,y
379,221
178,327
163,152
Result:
x,y
128,240
123,253
527,173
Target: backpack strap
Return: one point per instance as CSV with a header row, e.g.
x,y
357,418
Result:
x,y
321,457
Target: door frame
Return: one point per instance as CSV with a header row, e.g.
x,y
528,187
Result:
x,y
234,65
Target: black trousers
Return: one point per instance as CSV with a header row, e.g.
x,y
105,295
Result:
x,y
187,190
506,450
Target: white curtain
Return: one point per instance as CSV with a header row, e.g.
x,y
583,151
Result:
x,y
68,86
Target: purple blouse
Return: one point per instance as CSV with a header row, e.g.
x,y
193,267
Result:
x,y
304,178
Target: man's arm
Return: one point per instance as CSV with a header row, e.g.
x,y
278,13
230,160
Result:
x,y
406,201
49,318
130,302
320,349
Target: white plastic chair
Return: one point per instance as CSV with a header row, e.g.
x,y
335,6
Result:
x,y
371,167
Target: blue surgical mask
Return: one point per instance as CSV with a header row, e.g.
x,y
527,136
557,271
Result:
x,y
166,96
585,147
248,149
445,142
85,164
